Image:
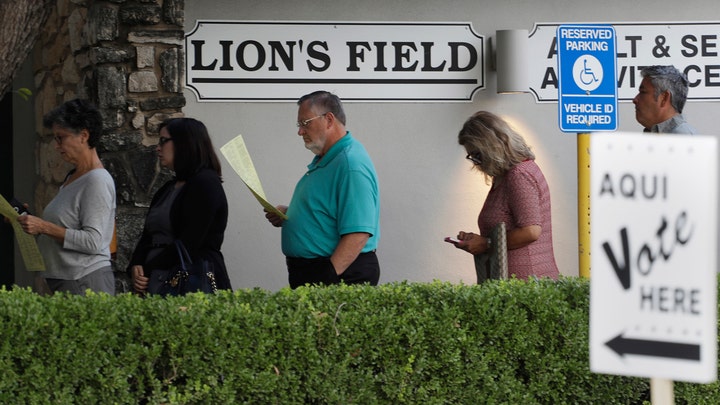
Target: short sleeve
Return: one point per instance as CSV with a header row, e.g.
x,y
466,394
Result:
x,y
523,198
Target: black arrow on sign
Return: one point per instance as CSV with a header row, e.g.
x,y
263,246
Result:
x,y
684,351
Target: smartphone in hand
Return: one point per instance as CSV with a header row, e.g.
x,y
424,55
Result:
x,y
451,240
19,207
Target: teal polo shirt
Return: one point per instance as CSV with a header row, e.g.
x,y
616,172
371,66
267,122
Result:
x,y
338,195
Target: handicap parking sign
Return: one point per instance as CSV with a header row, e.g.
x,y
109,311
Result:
x,y
587,73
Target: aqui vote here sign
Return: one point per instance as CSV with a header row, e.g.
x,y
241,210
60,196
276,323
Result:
x,y
653,294
587,92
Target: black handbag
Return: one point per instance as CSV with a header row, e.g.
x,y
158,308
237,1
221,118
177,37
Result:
x,y
185,278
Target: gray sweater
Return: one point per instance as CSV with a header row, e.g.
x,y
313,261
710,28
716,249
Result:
x,y
674,125
86,208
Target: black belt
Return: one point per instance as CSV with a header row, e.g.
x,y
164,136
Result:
x,y
306,260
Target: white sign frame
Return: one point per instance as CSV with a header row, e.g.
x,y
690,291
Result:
x,y
692,47
259,61
654,196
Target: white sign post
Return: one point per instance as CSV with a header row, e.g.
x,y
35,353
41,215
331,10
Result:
x,y
653,307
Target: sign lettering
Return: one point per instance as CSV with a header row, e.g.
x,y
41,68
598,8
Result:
x,y
281,61
694,48
586,66
653,294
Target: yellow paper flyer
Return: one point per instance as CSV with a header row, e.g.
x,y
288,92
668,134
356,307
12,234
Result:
x,y
28,247
238,156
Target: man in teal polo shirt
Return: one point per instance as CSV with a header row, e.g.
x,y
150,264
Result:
x,y
333,224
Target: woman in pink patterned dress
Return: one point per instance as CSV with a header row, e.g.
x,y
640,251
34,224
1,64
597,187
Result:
x,y
519,197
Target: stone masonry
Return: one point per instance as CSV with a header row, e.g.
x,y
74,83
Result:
x,y
126,56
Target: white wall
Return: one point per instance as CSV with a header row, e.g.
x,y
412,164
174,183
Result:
x,y
427,188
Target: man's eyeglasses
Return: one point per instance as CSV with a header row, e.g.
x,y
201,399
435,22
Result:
x,y
475,158
163,140
304,123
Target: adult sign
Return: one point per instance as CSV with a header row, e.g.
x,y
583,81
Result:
x,y
360,61
588,85
653,293
692,47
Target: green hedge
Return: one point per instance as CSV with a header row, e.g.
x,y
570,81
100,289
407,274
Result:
x,y
506,342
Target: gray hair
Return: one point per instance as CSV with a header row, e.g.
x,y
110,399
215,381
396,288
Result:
x,y
668,78
326,101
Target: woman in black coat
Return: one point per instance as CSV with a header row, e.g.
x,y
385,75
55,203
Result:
x,y
191,208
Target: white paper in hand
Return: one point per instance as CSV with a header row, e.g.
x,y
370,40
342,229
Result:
x,y
238,156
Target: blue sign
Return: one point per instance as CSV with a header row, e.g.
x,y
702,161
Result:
x,y
587,73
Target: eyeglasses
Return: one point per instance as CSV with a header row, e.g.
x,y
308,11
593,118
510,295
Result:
x,y
475,158
304,123
163,140
61,138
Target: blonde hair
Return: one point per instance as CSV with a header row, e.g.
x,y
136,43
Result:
x,y
499,146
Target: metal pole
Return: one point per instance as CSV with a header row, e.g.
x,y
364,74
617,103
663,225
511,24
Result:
x,y
583,170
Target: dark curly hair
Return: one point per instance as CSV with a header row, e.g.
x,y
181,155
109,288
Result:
x,y
76,115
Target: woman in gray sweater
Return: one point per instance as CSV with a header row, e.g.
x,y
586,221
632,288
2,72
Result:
x,y
77,225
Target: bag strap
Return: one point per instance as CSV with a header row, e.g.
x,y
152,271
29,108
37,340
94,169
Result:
x,y
183,255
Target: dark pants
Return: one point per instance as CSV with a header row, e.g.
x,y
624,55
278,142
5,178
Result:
x,y
365,269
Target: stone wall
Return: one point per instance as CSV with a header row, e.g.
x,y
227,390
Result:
x,y
126,56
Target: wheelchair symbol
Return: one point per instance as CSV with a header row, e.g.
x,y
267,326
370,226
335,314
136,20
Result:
x,y
587,72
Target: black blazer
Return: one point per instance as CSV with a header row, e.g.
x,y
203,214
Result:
x,y
198,217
